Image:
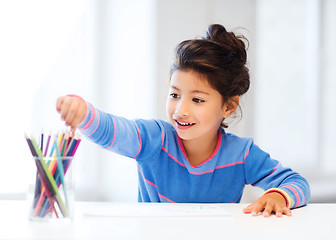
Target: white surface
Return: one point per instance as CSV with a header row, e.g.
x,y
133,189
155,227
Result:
x,y
316,221
157,210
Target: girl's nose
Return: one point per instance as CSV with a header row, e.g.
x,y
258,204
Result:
x,y
182,108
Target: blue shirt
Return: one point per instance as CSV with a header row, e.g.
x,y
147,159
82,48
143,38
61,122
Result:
x,y
165,174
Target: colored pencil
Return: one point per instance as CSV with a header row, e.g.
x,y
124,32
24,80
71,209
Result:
x,y
46,149
42,175
50,175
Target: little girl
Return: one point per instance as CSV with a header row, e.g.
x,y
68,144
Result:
x,y
191,158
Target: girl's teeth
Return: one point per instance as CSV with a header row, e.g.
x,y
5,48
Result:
x,y
184,124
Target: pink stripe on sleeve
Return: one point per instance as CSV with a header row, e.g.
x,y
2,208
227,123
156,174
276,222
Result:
x,y
139,142
295,193
91,118
162,133
114,135
96,126
274,169
162,136
270,172
302,194
246,154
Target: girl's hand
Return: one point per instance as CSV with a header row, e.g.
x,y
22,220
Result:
x,y
268,203
72,110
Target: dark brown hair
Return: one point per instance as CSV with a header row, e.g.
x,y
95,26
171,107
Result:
x,y
221,57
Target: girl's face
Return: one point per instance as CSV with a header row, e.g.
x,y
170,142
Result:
x,y
194,108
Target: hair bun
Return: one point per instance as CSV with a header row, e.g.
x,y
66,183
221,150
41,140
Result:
x,y
216,33
228,40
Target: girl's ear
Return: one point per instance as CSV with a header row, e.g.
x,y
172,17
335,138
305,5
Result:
x,y
230,106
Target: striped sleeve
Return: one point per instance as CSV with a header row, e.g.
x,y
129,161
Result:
x,y
269,174
111,132
132,138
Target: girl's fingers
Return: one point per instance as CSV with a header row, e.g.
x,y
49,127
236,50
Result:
x,y
254,208
278,211
65,108
80,113
73,130
258,208
59,104
248,209
71,115
268,210
287,211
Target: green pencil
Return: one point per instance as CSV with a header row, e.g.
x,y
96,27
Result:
x,y
61,170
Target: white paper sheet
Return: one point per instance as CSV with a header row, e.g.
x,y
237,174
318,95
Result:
x,y
157,210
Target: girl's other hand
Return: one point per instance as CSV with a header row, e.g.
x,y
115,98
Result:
x,y
268,203
72,109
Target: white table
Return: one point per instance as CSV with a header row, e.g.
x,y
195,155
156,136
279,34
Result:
x,y
168,221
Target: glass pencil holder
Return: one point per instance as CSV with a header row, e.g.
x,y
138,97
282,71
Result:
x,y
52,194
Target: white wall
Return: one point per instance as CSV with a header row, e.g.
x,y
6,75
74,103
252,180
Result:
x,y
124,85
117,55
295,96
42,56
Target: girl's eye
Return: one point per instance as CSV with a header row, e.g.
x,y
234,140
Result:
x,y
173,95
197,100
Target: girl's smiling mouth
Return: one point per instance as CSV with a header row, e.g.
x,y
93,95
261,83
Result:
x,y
183,125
